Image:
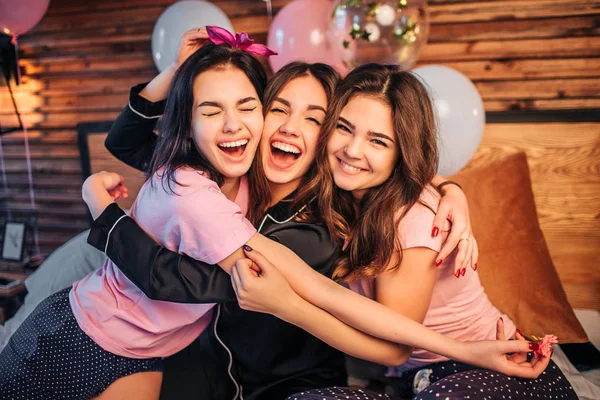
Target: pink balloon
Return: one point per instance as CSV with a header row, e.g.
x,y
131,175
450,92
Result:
x,y
19,16
299,32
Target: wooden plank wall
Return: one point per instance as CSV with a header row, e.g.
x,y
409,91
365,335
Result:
x,y
80,61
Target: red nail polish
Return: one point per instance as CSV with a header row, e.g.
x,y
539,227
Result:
x,y
457,274
435,231
439,262
519,332
533,346
464,271
475,267
502,319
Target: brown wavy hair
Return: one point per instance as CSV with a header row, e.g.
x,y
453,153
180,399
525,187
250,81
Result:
x,y
328,78
370,236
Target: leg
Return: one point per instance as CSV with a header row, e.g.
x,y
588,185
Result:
x,y
338,393
139,386
52,352
484,384
67,264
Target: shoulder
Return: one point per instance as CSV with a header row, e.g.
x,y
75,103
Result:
x,y
414,229
188,181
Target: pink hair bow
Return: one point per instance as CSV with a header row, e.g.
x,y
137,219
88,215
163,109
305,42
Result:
x,y
240,41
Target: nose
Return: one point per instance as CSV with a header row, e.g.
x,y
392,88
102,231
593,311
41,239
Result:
x,y
232,123
290,126
353,148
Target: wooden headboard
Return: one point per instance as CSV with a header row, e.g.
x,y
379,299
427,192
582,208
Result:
x,y
95,158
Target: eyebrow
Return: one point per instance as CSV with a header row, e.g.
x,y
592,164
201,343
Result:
x,y
288,104
381,135
370,133
219,105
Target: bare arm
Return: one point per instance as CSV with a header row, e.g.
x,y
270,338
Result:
x,y
272,294
408,288
158,88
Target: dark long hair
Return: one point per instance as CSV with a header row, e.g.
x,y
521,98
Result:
x,y
371,236
174,148
328,78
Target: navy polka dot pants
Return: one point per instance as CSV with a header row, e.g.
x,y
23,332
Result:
x,y
489,385
49,357
452,380
335,393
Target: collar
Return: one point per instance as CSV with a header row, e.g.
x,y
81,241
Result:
x,y
281,212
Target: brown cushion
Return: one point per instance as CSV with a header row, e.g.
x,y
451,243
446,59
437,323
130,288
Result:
x,y
514,263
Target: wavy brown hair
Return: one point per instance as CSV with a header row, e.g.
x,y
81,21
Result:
x,y
370,236
328,78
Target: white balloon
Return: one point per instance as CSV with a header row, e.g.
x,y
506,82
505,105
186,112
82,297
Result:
x,y
460,115
178,19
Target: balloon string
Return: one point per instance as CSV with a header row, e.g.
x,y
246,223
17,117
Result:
x,y
269,10
36,238
4,179
27,150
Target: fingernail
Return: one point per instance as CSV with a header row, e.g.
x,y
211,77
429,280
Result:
x,y
475,267
533,346
502,319
464,271
519,332
247,248
439,262
435,231
457,273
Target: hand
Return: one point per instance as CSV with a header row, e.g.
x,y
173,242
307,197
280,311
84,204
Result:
x,y
266,291
101,189
112,182
519,358
454,207
191,41
506,357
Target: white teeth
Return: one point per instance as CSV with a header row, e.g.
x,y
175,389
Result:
x,y
288,148
234,144
349,167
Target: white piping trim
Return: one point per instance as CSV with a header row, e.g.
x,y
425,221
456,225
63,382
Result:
x,y
109,232
237,387
142,115
280,222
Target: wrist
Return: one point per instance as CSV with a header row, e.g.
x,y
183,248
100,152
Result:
x,y
292,309
89,187
446,186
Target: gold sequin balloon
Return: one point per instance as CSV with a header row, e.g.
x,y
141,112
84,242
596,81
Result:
x,y
386,31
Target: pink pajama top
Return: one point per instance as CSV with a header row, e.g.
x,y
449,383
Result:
x,y
198,221
459,307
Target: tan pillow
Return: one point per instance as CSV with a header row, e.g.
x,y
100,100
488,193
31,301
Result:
x,y
514,263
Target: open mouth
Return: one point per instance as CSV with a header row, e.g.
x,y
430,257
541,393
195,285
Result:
x,y
234,149
284,154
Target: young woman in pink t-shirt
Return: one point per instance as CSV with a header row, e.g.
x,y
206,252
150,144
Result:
x,y
103,337
377,155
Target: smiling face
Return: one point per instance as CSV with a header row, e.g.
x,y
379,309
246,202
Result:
x,y
292,126
362,151
227,120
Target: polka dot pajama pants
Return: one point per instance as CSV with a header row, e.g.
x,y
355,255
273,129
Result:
x,y
489,385
49,357
451,380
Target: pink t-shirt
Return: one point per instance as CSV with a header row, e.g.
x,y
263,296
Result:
x,y
459,308
198,221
